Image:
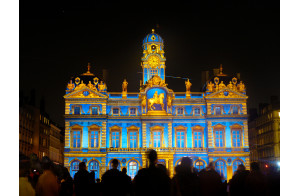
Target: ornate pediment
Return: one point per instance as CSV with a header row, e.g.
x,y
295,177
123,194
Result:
x,y
226,93
85,92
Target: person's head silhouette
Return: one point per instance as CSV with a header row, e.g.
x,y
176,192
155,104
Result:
x,y
152,157
82,166
124,170
114,164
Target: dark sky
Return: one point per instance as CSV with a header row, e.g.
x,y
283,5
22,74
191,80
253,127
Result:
x,y
58,39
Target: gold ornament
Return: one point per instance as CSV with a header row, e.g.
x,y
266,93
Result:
x,y
153,61
157,99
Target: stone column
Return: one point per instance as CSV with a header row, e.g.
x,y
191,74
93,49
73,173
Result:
x,y
103,135
210,135
144,134
67,134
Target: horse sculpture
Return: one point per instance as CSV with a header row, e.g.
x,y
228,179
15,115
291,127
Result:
x,y
156,100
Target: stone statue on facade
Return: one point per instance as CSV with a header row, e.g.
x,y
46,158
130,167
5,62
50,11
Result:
x,y
124,86
188,85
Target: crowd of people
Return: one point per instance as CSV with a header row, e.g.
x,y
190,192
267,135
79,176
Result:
x,y
52,180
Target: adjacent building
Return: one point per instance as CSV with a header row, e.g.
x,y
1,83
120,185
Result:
x,y
264,134
37,134
206,126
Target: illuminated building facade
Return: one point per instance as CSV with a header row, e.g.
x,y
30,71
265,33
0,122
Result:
x,y
206,126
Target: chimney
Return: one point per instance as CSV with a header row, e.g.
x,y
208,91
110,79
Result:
x,y
204,77
105,75
216,71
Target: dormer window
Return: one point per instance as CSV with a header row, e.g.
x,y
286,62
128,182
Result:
x,y
132,111
180,111
94,110
77,110
218,110
116,111
235,110
197,111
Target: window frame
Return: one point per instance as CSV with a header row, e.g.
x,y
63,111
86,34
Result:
x,y
80,109
133,129
79,128
71,167
194,110
219,126
115,129
224,167
233,164
112,111
238,108
199,160
129,112
91,128
129,170
181,128
177,109
157,129
98,109
221,110
237,127
198,128
98,169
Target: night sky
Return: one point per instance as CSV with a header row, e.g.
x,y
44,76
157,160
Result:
x,y
58,39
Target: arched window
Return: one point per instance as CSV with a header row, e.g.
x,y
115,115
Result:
x,y
220,167
132,169
74,168
199,165
235,164
94,166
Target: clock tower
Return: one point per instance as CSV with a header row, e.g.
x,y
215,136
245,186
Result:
x,y
153,60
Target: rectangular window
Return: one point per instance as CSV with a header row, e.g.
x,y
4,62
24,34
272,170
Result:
x,y
132,111
218,110
76,139
94,140
197,139
180,111
235,110
94,110
197,111
219,140
115,139
132,139
153,72
116,111
180,138
156,139
76,110
236,138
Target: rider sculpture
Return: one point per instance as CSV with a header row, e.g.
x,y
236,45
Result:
x,y
157,99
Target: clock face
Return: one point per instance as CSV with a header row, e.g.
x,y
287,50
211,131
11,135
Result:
x,y
153,61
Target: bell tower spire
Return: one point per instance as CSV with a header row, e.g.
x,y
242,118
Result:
x,y
153,59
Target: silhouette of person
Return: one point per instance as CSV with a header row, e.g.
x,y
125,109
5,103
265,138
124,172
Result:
x,y
273,181
47,184
66,183
185,182
82,181
152,180
210,181
25,187
128,186
256,182
113,181
237,183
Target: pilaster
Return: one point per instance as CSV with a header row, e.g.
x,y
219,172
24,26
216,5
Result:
x,y
210,135
103,135
144,134
67,134
246,140
169,134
